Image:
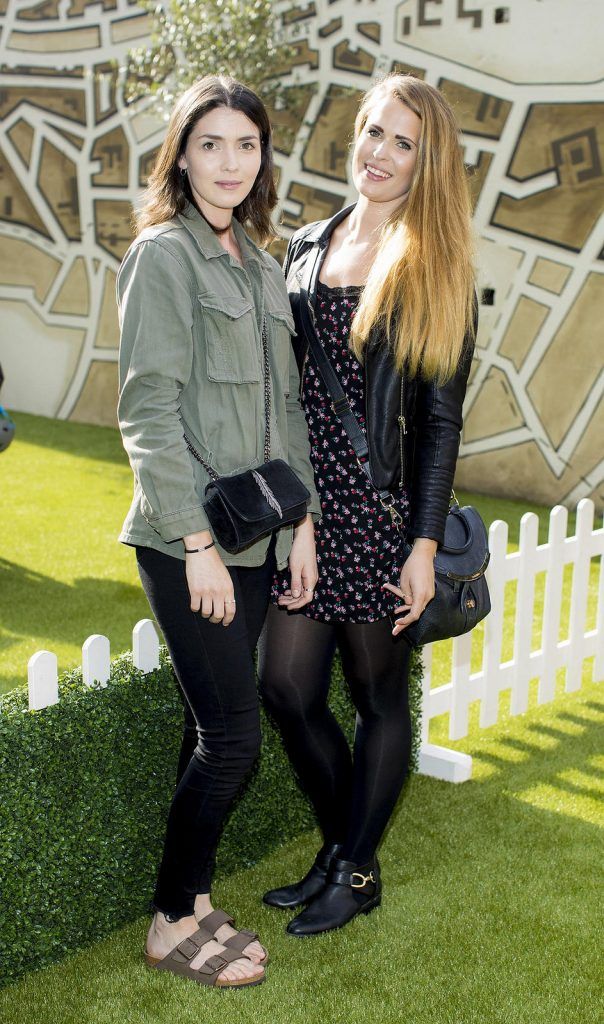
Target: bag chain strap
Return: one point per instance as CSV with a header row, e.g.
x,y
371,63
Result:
x,y
267,393
267,411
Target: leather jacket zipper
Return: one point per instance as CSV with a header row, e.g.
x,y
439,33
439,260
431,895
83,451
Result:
x,y
402,430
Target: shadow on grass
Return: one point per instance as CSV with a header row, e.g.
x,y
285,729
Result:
x,y
77,439
565,749
38,606
530,765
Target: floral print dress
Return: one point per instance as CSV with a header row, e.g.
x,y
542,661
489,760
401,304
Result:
x,y
358,548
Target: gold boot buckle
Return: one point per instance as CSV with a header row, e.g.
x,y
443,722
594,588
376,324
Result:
x,y
365,878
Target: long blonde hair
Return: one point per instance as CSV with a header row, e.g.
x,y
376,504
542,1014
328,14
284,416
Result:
x,y
421,285
168,191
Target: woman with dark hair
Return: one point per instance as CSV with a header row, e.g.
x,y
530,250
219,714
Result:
x,y
205,351
389,282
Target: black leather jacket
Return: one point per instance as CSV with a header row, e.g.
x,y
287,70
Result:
x,y
413,426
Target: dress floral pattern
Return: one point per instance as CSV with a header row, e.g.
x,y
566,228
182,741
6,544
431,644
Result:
x,y
358,548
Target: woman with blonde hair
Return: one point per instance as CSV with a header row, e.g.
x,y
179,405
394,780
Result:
x,y
209,388
389,285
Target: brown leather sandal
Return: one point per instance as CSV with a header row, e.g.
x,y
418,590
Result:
x,y
178,961
215,920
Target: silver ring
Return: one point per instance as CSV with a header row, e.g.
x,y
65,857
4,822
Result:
x,y
308,590
227,601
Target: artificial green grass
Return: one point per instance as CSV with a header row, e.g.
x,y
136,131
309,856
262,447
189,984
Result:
x,y
490,912
491,887
66,488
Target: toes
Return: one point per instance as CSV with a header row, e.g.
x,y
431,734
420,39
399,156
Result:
x,y
250,968
240,969
255,952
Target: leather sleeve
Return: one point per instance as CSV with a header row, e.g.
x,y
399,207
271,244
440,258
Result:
x,y
294,259
293,243
438,423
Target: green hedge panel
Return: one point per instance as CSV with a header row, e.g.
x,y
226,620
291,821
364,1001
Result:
x,y
85,787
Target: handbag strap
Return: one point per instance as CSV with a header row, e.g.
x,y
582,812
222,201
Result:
x,y
267,411
339,400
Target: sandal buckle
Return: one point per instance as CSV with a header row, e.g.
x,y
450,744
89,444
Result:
x,y
188,948
364,879
214,964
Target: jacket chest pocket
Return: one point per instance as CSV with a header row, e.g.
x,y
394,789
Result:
x,y
230,335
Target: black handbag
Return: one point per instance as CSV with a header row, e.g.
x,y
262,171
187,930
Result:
x,y
246,506
461,597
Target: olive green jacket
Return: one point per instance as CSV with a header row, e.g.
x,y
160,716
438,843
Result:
x,y
191,362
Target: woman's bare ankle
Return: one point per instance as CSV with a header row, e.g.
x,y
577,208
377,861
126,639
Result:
x,y
164,931
203,905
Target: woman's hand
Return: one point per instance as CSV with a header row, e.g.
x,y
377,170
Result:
x,y
417,583
302,566
210,584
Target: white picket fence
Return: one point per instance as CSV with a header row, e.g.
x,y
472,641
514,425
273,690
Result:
x,y
485,685
464,687
43,671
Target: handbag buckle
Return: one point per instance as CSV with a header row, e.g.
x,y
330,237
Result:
x,y
397,519
340,405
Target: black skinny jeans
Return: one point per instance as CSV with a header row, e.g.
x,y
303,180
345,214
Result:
x,y
215,668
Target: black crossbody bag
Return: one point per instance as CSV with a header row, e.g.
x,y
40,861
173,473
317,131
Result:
x,y
246,506
461,597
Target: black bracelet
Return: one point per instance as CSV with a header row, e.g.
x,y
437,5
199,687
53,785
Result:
x,y
193,551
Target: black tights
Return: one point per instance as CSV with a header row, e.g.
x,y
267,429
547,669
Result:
x,y
353,796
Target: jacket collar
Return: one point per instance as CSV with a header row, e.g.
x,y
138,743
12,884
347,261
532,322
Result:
x,y
323,229
207,241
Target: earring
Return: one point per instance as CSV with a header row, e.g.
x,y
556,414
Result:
x,y
183,172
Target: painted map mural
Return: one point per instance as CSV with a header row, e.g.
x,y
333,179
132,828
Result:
x,y
526,81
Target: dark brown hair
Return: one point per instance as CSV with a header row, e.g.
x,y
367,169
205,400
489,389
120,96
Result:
x,y
168,191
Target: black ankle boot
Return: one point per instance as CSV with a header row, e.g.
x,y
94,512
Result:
x,y
290,896
351,889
